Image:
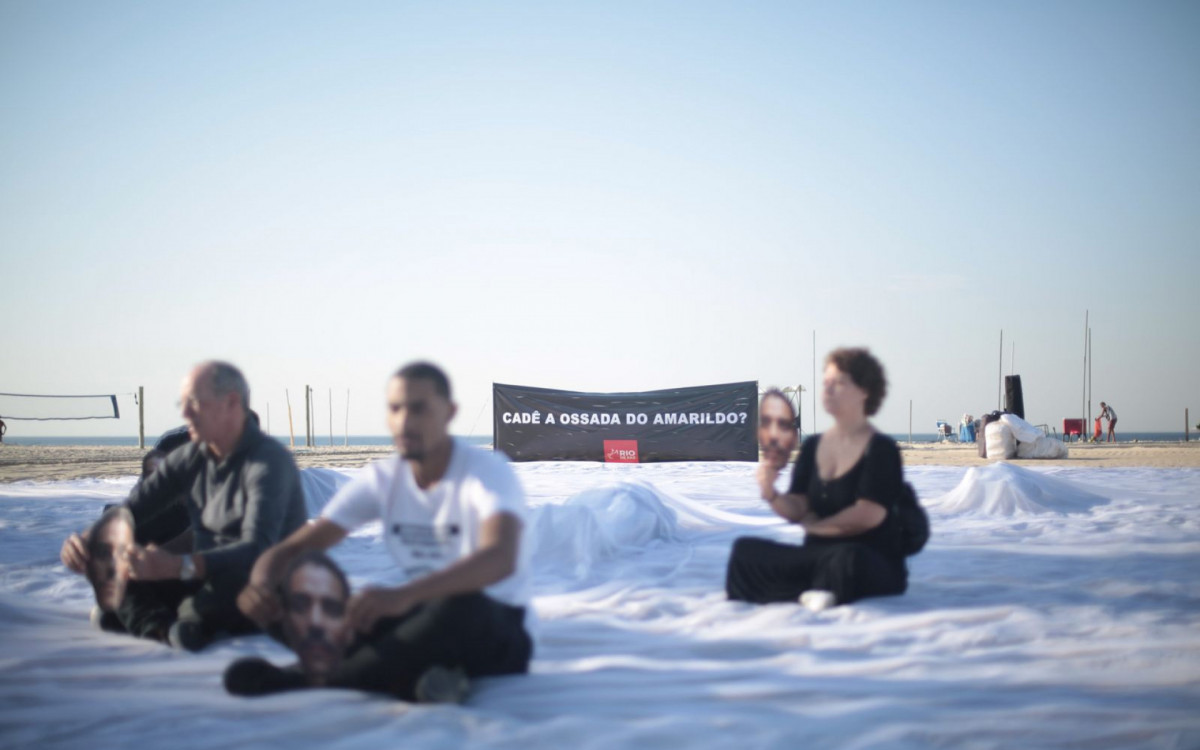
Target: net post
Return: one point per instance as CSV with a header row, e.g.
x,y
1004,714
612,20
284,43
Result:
x,y
141,419
291,428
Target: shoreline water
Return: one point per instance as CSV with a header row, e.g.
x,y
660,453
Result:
x,y
362,441
68,462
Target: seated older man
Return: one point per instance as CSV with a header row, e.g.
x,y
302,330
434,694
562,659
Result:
x,y
242,493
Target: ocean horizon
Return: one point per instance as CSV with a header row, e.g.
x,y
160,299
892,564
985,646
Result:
x,y
381,440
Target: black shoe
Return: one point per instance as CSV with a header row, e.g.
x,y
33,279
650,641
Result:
x,y
106,621
253,675
189,635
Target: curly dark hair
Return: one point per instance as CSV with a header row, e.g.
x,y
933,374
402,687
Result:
x,y
866,372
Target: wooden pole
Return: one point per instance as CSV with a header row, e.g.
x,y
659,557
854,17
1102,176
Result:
x,y
141,418
308,416
800,409
1000,382
1083,413
1089,387
291,429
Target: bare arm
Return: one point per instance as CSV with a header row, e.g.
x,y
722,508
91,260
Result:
x,y
790,507
259,600
495,560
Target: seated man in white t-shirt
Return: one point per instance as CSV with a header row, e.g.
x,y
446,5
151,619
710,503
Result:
x,y
452,519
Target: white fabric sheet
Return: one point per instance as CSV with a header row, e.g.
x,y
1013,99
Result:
x,y
1052,608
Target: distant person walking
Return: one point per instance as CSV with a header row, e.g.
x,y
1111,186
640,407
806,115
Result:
x,y
1109,413
3,429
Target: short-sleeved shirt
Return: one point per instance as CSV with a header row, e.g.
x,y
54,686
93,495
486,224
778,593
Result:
x,y
877,477
426,530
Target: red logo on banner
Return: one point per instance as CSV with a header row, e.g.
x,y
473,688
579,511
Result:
x,y
620,451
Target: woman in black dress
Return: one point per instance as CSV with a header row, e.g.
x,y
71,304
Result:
x,y
844,492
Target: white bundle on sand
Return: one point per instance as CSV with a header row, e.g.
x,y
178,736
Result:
x,y
1021,430
1044,447
1013,437
1001,444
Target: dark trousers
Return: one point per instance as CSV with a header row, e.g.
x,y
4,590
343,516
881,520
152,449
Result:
x,y
471,631
762,571
150,607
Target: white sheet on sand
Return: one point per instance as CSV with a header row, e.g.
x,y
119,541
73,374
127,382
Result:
x,y
1053,608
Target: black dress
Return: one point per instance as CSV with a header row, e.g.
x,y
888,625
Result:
x,y
852,567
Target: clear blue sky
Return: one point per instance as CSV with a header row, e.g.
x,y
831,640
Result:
x,y
603,196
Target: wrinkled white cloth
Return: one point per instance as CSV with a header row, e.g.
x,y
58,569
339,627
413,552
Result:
x,y
1044,447
1023,431
1057,604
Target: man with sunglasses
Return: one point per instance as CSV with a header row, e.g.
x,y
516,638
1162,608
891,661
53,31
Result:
x,y
242,492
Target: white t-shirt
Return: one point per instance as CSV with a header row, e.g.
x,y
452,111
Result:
x,y
427,530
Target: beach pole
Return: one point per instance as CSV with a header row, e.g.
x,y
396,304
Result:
x,y
346,440
800,408
330,417
1000,380
291,429
1089,361
814,429
141,419
1187,427
910,442
1083,402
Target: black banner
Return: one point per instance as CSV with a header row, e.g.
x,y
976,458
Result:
x,y
703,423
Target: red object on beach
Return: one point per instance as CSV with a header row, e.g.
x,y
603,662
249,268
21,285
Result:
x,y
1098,432
1073,427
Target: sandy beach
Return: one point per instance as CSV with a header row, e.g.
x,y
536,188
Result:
x,y
54,463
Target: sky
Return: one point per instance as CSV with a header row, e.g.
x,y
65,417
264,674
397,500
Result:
x,y
610,197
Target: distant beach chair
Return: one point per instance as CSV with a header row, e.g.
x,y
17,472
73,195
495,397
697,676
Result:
x,y
945,432
966,429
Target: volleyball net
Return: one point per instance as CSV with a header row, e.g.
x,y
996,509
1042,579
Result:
x,y
37,407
